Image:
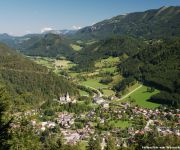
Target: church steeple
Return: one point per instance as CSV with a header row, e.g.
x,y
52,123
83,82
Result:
x,y
67,97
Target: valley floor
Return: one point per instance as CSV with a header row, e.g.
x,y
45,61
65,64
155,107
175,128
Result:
x,y
99,109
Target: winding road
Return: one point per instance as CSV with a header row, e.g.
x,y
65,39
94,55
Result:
x,y
99,93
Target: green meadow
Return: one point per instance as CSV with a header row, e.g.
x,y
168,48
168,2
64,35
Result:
x,y
141,97
93,83
76,47
83,93
108,92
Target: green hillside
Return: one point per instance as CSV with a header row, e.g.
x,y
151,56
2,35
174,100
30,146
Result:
x,y
27,82
118,46
49,45
157,65
156,23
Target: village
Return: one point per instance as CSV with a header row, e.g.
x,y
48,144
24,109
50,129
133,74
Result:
x,y
107,118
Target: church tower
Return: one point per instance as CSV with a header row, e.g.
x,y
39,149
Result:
x,y
68,99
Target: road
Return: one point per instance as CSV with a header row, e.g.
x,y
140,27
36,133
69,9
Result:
x,y
99,93
130,93
148,123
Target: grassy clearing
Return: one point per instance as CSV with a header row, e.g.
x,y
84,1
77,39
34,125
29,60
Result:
x,y
111,69
94,83
141,96
107,92
61,63
64,64
119,124
73,74
131,88
83,93
76,47
109,62
53,63
44,61
112,60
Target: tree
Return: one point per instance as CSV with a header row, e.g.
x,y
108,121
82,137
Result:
x,y
4,124
94,143
110,143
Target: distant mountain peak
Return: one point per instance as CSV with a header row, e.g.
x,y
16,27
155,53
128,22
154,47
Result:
x,y
151,23
60,32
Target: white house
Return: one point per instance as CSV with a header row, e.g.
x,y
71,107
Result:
x,y
98,100
105,105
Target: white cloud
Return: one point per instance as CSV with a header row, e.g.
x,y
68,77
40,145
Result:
x,y
76,27
28,32
11,33
46,29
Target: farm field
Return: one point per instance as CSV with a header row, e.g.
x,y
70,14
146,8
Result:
x,y
108,62
64,64
76,47
73,74
83,93
110,69
48,62
141,96
108,92
53,63
93,83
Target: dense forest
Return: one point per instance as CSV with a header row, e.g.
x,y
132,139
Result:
x,y
155,23
157,65
28,82
115,46
47,45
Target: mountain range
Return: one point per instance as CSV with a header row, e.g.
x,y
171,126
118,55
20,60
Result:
x,y
149,40
155,23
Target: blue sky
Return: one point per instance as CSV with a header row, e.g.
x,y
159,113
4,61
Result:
x,y
20,17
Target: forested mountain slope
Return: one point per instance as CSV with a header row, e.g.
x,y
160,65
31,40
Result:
x,y
157,65
48,45
156,23
115,46
28,82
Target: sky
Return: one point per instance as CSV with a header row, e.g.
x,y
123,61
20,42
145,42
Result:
x,y
19,17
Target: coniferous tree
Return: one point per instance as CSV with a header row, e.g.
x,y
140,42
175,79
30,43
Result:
x,y
110,143
94,143
4,124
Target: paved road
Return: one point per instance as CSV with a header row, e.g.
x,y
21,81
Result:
x,y
130,92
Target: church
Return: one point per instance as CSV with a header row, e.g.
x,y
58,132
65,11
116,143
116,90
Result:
x,y
66,99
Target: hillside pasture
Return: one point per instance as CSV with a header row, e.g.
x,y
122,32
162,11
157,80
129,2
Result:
x,y
93,83
106,63
141,97
107,92
76,47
